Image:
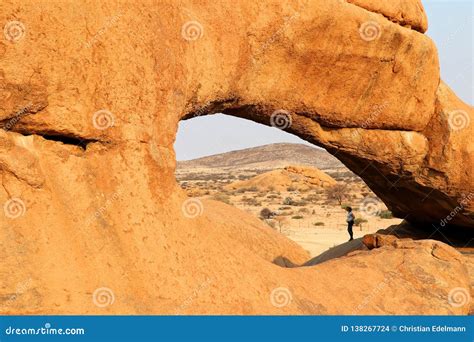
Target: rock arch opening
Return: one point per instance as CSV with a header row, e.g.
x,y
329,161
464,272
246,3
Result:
x,y
295,187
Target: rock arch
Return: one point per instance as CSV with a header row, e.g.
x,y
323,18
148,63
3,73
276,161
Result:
x,y
91,98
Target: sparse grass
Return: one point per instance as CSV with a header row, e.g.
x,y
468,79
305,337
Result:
x,y
386,214
359,221
222,198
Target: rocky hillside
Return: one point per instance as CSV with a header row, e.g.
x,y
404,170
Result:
x,y
267,157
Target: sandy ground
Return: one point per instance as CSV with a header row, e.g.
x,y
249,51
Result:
x,y
318,240
311,219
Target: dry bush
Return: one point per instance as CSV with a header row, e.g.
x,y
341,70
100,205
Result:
x,y
337,192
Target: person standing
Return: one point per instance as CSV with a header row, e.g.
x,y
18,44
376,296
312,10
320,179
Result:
x,y
350,222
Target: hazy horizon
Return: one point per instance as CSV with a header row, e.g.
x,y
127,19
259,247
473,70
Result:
x,y
449,26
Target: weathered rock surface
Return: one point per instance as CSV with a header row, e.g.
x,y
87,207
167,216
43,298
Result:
x,y
92,96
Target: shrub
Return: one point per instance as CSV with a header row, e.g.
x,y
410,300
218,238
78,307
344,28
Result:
x,y
386,214
297,217
304,210
291,188
284,208
359,221
337,192
266,213
222,198
288,201
318,224
301,203
251,201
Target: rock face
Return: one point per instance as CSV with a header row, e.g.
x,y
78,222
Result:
x,y
297,177
92,93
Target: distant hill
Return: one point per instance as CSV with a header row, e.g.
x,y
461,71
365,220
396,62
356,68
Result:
x,y
298,177
267,157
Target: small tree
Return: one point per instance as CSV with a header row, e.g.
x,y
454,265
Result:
x,y
359,222
266,213
337,192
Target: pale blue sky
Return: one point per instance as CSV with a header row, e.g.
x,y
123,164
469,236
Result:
x,y
450,26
